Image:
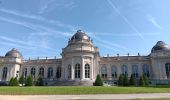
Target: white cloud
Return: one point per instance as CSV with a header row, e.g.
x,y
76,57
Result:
x,y
154,22
125,19
38,18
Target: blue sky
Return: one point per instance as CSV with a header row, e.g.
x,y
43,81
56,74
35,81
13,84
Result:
x,y
40,28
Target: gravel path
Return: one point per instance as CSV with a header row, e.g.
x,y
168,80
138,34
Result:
x,y
73,97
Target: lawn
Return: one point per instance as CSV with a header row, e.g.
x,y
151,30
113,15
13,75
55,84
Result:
x,y
54,90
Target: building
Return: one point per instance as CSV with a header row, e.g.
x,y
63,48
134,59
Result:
x,y
81,62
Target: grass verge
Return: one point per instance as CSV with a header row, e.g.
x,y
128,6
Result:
x,y
54,90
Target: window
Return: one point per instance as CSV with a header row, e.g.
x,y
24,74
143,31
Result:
x,y
114,73
87,71
4,74
25,72
124,69
167,68
104,72
58,73
145,69
135,71
50,72
69,72
77,71
33,72
41,72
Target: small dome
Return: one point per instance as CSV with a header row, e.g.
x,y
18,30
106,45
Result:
x,y
14,53
80,35
160,45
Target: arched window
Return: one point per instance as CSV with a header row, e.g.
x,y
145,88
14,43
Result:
x,y
87,71
135,71
104,72
50,72
114,72
4,74
33,72
41,72
25,72
124,69
145,69
167,68
69,71
58,73
77,71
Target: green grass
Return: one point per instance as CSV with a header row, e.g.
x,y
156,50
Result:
x,y
54,90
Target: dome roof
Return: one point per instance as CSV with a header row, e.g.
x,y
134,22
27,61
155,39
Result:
x,y
14,53
80,35
160,45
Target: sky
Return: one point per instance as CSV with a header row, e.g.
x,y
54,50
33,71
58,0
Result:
x,y
41,28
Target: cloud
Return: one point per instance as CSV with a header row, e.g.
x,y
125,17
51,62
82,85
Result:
x,y
125,19
38,18
49,5
154,22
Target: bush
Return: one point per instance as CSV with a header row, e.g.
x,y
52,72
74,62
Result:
x,y
21,80
141,81
132,80
13,82
39,82
125,80
98,81
145,78
29,81
120,81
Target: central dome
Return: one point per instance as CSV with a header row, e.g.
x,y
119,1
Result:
x,y
160,45
80,35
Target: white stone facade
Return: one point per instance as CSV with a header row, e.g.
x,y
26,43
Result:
x,y
81,63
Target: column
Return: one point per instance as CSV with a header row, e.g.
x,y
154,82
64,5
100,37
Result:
x,y
72,69
91,68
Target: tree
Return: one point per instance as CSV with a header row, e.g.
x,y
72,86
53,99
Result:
x,y
98,81
125,80
120,81
21,80
11,81
15,82
132,80
29,81
145,78
141,81
39,82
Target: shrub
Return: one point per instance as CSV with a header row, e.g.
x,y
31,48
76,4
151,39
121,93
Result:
x,y
21,80
13,82
120,81
29,81
39,82
98,81
141,81
132,80
145,78
125,80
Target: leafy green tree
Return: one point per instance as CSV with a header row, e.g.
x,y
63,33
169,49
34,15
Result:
x,y
98,81
21,80
11,81
132,80
39,82
125,80
120,81
15,82
146,80
141,81
29,81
